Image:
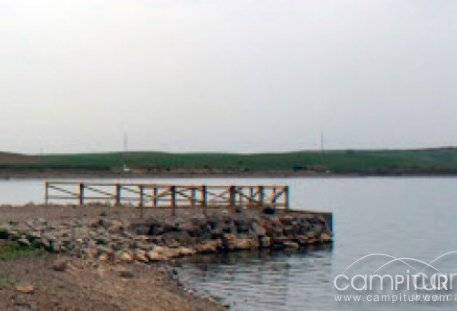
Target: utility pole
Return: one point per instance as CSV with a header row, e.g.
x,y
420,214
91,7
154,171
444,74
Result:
x,y
124,154
126,142
322,141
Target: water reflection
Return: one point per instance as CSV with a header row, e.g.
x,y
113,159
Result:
x,y
262,280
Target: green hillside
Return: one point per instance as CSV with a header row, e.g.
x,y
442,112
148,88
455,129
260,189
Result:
x,y
423,161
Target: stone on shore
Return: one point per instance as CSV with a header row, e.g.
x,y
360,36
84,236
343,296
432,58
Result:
x,y
109,239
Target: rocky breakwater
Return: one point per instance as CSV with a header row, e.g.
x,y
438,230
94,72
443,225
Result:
x,y
115,239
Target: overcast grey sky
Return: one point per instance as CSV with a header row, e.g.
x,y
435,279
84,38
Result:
x,y
227,75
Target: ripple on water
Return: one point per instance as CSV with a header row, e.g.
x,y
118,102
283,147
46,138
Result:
x,y
259,281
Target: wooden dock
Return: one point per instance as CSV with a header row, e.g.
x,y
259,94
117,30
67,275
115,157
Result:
x,y
146,195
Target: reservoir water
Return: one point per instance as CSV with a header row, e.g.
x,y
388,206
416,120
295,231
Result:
x,y
402,217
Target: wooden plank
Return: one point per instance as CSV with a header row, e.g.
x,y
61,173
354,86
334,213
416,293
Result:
x,y
64,190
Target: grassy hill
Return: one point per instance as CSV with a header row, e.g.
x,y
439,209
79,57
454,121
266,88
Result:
x,y
421,161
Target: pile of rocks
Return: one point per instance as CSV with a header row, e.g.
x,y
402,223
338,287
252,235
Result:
x,y
118,240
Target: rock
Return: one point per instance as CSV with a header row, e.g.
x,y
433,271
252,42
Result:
x,y
291,244
23,242
32,236
254,243
303,240
115,226
125,273
95,223
61,265
102,249
141,255
103,257
242,226
264,242
171,252
14,235
55,246
125,256
325,237
186,251
25,288
243,244
153,255
45,243
31,225
256,228
209,247
141,229
107,239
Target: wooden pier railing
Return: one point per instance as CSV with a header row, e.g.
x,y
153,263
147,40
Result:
x,y
168,196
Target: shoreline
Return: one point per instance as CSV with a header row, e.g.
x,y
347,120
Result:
x,y
75,174
125,246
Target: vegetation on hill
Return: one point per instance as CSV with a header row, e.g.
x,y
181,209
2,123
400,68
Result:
x,y
421,161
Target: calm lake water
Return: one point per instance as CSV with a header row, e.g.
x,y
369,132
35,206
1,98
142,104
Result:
x,y
403,217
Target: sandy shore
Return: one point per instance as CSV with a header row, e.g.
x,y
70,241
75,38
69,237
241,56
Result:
x,y
60,282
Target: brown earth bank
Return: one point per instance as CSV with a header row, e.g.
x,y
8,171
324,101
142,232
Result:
x,y
55,282
116,258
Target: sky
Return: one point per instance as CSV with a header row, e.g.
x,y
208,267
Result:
x,y
227,75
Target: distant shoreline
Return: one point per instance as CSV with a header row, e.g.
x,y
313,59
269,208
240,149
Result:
x,y
32,173
331,163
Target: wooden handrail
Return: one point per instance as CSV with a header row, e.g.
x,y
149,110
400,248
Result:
x,y
170,195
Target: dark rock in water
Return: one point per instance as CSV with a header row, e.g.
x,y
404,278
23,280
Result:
x,y
291,244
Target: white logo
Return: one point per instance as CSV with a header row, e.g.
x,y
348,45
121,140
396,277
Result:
x,y
388,279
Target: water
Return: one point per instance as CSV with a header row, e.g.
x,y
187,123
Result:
x,y
403,217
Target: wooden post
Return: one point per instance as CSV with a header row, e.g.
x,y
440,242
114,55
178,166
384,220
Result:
x,y
141,201
46,195
286,197
260,196
274,196
154,199
204,201
81,194
251,196
173,199
118,195
192,197
232,196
